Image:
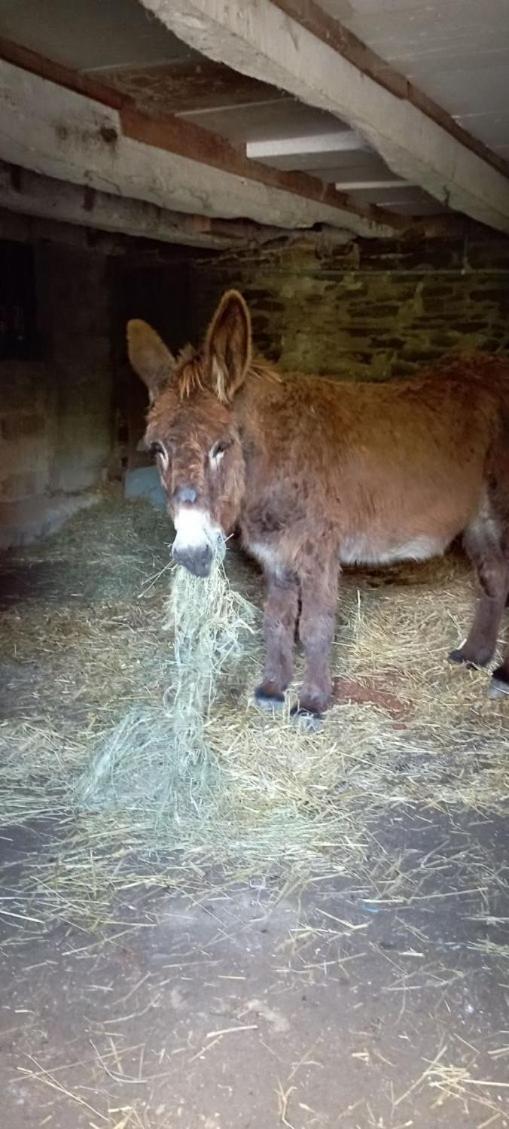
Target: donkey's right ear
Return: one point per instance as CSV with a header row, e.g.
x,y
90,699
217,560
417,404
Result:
x,y
149,356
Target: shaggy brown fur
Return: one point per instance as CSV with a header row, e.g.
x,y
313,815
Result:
x,y
317,472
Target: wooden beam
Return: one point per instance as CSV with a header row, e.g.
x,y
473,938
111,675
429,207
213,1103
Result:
x,y
30,194
293,46
65,133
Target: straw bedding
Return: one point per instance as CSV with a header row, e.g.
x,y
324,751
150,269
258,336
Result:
x,y
143,786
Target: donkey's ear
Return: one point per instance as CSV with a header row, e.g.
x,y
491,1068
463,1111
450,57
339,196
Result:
x,y
228,345
150,358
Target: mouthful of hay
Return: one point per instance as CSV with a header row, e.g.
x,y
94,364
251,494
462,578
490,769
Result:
x,y
159,762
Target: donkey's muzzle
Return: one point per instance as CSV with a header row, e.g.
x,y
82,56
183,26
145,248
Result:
x,y
198,561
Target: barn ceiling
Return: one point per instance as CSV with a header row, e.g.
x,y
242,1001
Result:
x,y
122,44
455,51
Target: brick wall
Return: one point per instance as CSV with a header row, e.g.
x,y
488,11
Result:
x,y
367,309
55,413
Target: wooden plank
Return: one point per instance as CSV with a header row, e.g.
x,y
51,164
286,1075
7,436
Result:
x,y
357,185
270,42
341,141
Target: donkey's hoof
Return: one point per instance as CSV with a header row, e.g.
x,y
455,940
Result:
x,y
269,703
499,685
308,720
459,656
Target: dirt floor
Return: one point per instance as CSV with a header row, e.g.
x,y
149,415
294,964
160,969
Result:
x,y
376,998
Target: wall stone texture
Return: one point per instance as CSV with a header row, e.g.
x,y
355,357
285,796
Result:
x,y
369,309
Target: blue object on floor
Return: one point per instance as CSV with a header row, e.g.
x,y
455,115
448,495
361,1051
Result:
x,y
144,483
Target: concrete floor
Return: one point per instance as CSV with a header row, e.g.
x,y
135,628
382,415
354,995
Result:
x,y
326,1010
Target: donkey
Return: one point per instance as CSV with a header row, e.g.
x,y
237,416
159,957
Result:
x,y
317,473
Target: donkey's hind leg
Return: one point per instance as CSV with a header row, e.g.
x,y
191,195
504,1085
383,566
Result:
x,y
499,686
483,543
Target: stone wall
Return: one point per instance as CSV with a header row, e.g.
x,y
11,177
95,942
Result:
x,y
55,412
368,309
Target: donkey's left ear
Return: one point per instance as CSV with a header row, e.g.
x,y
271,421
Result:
x,y
228,346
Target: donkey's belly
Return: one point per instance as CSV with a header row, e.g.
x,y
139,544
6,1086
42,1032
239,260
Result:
x,y
363,549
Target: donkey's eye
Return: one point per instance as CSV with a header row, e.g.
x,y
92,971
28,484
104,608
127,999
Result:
x,y
220,448
157,448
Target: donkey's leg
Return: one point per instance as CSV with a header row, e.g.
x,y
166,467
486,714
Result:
x,y
483,544
499,686
280,618
319,593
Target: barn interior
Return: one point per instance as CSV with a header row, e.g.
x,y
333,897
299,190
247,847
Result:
x,y
321,940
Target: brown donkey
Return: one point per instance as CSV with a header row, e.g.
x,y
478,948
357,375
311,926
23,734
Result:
x,y
317,473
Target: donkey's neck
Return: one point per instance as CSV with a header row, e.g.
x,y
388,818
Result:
x,y
255,405
257,409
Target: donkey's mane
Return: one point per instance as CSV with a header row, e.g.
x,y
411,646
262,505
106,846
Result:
x,y
189,372
190,375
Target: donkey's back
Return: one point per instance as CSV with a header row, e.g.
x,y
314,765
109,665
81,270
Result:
x,y
387,471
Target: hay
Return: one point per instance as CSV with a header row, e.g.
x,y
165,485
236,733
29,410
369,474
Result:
x,y
157,760
91,742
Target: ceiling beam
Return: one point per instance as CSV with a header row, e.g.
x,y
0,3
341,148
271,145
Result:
x,y
30,194
295,50
50,127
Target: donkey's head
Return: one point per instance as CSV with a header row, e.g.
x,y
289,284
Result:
x,y
191,427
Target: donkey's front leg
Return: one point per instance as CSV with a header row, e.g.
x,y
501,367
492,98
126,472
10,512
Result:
x,y
319,594
280,618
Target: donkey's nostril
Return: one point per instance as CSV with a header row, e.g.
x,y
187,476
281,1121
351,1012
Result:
x,y
185,494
